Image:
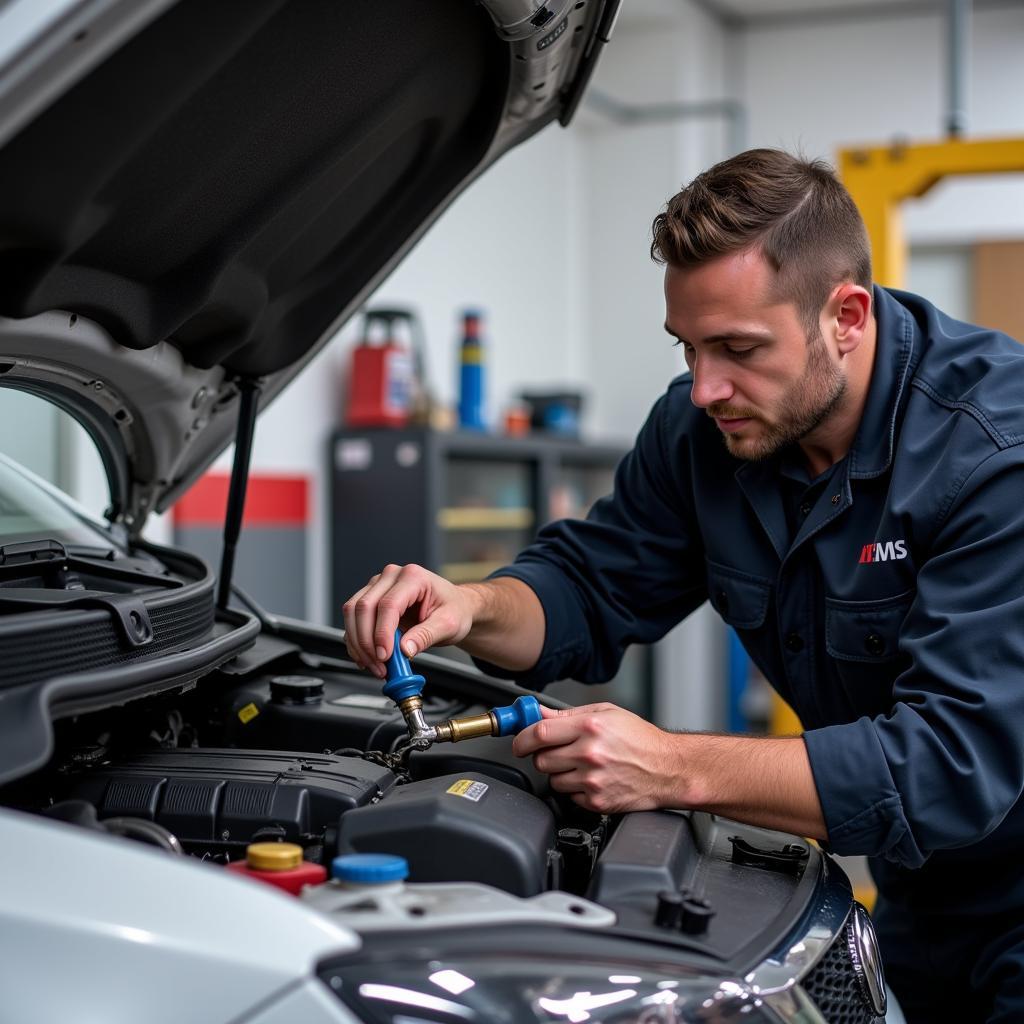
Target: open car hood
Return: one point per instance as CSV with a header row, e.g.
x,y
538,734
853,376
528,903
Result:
x,y
198,194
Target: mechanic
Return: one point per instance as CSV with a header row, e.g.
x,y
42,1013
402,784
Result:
x,y
862,529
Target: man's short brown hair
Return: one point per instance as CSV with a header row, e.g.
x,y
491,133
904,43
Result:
x,y
794,211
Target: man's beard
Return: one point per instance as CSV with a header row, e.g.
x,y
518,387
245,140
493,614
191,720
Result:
x,y
804,407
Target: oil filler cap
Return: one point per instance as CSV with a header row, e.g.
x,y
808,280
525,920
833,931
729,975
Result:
x,y
369,868
273,856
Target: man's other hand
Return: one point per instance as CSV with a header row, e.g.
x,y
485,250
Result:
x,y
429,609
605,757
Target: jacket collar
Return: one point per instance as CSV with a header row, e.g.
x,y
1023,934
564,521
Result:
x,y
895,358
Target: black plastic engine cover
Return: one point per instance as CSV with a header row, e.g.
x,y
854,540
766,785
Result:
x,y
219,799
457,828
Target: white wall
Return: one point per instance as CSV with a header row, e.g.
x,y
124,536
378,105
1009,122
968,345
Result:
x,y
839,83
675,56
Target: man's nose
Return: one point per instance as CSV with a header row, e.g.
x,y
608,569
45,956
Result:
x,y
709,386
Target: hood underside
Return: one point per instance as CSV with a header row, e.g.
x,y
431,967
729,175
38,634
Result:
x,y
233,180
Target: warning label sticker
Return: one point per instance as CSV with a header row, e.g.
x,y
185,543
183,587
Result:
x,y
248,713
468,788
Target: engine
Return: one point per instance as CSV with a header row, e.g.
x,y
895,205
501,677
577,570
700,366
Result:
x,y
254,756
216,802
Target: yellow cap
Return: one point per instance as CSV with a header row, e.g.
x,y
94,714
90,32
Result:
x,y
273,856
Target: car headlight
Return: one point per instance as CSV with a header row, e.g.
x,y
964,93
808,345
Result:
x,y
534,991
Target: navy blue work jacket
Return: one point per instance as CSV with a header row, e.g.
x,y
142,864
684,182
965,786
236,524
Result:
x,y
889,612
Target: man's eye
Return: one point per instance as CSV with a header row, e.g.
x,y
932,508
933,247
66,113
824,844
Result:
x,y
741,353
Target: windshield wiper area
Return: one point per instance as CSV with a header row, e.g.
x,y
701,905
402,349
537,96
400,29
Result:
x,y
51,564
55,563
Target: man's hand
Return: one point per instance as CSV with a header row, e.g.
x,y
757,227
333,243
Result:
x,y
499,620
606,758
610,760
429,609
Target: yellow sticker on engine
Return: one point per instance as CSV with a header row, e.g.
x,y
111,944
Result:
x,y
248,713
468,788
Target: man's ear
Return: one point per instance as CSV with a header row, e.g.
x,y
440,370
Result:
x,y
849,309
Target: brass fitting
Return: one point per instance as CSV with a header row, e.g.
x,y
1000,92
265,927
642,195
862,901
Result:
x,y
410,704
456,729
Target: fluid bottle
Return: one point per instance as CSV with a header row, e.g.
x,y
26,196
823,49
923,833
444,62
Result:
x,y
471,373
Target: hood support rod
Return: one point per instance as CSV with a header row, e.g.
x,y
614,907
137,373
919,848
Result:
x,y
249,393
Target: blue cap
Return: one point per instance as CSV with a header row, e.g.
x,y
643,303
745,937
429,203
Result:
x,y
523,711
369,868
402,682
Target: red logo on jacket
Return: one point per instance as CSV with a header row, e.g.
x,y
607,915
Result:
x,y
883,551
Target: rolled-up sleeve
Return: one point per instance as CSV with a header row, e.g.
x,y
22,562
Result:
x,y
946,764
628,572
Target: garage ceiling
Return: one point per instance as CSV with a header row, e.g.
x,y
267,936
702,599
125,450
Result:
x,y
760,9
779,12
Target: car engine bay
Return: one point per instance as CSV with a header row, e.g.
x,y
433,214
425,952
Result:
x,y
280,741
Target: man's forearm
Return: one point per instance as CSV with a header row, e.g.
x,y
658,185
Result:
x,y
764,781
508,624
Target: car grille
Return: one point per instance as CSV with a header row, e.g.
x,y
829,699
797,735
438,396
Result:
x,y
834,987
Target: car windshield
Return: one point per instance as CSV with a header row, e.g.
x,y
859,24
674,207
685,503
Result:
x,y
31,509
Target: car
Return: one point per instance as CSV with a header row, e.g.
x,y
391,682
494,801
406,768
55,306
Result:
x,y
207,811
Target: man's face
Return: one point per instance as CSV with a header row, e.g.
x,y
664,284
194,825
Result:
x,y
755,371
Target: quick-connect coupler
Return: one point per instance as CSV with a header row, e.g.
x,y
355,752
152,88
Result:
x,y
405,689
506,721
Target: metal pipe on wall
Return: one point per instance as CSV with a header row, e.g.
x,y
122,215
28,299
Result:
x,y
958,44
731,111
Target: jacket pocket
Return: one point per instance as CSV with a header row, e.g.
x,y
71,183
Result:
x,y
865,631
862,640
740,598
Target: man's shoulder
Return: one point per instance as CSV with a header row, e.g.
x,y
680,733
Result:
x,y
967,371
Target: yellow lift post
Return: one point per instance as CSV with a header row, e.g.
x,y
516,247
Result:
x,y
881,178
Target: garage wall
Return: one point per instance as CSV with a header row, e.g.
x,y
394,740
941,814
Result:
x,y
845,80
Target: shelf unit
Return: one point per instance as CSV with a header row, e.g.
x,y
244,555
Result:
x,y
463,504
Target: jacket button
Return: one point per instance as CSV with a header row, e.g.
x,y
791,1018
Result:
x,y
805,509
874,644
794,642
723,600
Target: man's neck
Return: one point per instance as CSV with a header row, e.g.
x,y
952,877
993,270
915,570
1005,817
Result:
x,y
830,441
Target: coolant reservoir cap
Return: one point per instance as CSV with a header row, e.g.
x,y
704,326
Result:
x,y
273,856
369,868
296,690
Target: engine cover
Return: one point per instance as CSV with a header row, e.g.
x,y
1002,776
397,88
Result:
x,y
217,800
459,827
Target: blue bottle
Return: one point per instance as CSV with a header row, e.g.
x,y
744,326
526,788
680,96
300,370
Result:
x,y
471,373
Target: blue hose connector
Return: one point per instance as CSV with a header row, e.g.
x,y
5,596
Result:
x,y
402,682
522,712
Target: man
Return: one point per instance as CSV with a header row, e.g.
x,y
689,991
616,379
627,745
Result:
x,y
861,527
